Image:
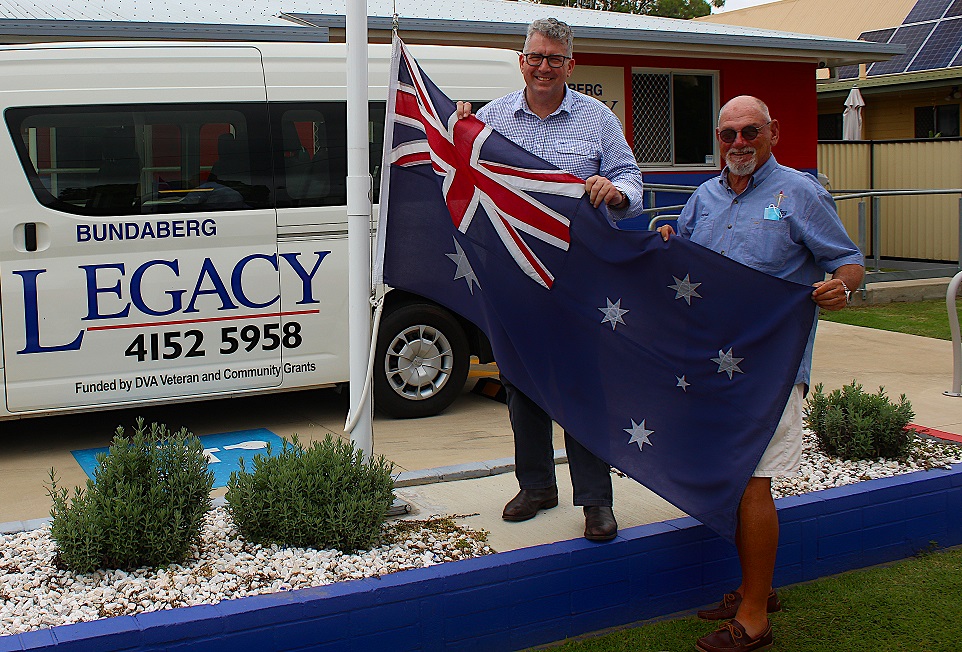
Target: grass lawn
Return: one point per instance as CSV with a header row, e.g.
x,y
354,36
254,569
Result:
x,y
912,605
926,318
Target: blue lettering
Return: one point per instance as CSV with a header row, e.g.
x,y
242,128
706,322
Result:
x,y
178,228
31,316
93,290
148,231
103,232
116,231
237,285
208,227
136,294
208,270
83,233
163,229
132,230
306,278
193,228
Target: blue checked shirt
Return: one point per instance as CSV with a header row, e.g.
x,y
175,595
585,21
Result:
x,y
582,137
802,241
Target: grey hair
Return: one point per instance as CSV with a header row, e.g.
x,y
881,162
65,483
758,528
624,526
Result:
x,y
553,29
762,107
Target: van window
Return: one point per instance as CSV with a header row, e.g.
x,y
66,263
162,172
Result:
x,y
311,152
140,160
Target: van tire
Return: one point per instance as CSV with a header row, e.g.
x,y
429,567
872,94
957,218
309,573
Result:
x,y
411,338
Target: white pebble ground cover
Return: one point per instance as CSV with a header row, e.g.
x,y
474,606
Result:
x,y
35,594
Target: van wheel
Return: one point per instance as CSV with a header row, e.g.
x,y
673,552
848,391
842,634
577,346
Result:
x,y
422,361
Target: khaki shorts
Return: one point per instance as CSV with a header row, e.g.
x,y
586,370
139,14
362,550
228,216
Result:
x,y
784,454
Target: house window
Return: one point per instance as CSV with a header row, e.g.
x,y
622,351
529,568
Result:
x,y
830,126
673,118
937,121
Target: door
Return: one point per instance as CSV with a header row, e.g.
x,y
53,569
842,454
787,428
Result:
x,y
143,262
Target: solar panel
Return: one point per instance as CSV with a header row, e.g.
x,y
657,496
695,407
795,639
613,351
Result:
x,y
847,72
879,35
941,47
955,9
926,10
958,60
912,36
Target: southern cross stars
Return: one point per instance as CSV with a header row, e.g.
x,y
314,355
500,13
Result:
x,y
639,434
464,267
613,313
684,288
682,382
727,362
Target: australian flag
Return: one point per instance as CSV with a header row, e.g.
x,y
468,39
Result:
x,y
667,360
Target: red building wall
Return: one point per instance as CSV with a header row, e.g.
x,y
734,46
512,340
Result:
x,y
787,88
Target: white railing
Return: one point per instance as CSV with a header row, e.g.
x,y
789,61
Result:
x,y
950,295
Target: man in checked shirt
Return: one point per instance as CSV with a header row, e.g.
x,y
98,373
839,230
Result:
x,y
581,136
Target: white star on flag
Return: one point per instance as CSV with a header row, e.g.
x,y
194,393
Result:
x,y
613,313
684,288
727,362
682,382
464,270
639,434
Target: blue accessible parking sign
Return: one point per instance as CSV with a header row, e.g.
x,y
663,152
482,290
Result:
x,y
223,452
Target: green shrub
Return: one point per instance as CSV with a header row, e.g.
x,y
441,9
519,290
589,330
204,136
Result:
x,y
144,507
324,496
854,425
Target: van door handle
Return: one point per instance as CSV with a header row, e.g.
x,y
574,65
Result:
x,y
30,236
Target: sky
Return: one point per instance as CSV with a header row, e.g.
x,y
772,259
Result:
x,y
739,4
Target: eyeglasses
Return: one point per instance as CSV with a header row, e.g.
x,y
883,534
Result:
x,y
534,59
748,133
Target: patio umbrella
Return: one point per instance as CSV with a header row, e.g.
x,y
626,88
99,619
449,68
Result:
x,y
852,117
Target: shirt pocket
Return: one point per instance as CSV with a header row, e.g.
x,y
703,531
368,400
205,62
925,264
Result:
x,y
581,157
701,230
770,245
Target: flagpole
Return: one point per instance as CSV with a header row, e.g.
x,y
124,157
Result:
x,y
358,222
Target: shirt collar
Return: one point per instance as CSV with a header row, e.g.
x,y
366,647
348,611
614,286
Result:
x,y
760,175
521,103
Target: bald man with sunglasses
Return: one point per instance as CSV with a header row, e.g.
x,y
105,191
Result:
x,y
782,222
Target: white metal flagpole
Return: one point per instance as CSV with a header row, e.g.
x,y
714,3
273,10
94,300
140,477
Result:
x,y
358,222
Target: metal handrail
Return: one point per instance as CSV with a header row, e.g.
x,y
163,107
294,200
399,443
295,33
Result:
x,y
950,295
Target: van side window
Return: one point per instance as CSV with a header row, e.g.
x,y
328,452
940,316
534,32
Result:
x,y
310,154
145,159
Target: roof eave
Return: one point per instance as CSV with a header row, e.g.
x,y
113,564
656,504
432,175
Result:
x,y
825,51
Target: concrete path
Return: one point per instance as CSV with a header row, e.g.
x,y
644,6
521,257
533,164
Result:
x,y
474,430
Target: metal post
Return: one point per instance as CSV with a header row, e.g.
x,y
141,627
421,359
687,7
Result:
x,y
950,295
960,234
861,237
651,199
876,230
358,222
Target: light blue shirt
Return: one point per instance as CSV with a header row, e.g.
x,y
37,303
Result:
x,y
582,137
802,239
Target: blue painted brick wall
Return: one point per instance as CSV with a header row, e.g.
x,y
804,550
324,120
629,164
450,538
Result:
x,y
542,594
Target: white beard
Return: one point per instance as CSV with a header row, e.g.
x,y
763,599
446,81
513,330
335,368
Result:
x,y
742,169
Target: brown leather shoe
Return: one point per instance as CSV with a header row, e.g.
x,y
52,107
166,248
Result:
x,y
732,637
600,524
527,503
729,606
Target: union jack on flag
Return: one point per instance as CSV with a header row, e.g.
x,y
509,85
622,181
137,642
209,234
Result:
x,y
454,149
649,353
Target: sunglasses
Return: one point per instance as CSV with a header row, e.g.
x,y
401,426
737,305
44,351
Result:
x,y
748,133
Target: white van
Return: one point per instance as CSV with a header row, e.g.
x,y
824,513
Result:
x,y
174,225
